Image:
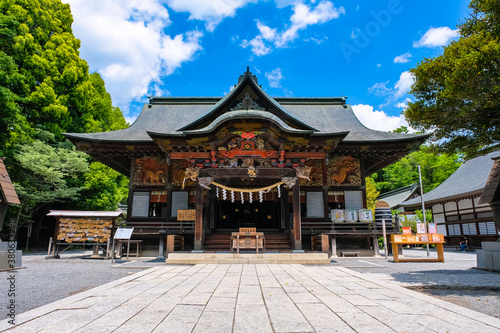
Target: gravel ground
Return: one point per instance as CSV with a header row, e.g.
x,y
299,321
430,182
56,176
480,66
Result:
x,y
456,280
44,281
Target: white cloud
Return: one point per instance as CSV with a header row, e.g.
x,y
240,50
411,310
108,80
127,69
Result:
x,y
403,105
303,16
378,120
179,49
435,37
131,119
275,78
380,89
210,11
125,42
284,3
316,40
402,59
392,95
403,86
266,32
258,46
379,65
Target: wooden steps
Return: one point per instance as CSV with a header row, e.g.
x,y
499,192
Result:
x,y
278,242
217,242
275,242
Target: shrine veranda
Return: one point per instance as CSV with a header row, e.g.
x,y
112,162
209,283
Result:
x,y
247,160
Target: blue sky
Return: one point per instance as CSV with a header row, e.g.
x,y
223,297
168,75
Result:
x,y
359,49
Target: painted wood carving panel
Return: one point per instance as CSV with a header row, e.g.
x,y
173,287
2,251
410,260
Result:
x,y
316,174
344,171
179,172
150,171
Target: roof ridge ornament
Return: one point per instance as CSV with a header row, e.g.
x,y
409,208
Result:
x,y
249,75
247,103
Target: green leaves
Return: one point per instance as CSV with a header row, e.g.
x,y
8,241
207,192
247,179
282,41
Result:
x,y
46,90
435,169
458,93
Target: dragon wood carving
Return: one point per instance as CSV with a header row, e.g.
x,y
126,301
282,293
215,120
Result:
x,y
344,168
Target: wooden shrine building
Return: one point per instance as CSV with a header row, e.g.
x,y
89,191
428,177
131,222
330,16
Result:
x,y
244,160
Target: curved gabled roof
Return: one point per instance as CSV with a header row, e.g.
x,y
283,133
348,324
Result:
x,y
468,180
332,118
169,115
243,114
247,79
175,115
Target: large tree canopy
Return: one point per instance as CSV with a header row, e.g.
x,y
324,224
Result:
x,y
45,90
44,84
458,93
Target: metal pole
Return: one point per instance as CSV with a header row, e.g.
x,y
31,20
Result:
x,y
423,206
385,239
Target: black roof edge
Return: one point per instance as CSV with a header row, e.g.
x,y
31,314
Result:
x,y
75,138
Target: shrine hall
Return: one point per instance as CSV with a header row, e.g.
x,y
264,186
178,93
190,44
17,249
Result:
x,y
204,168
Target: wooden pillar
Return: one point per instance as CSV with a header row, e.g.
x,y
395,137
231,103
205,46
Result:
x,y
363,182
325,244
170,244
297,229
334,246
283,207
198,223
376,252
130,198
213,201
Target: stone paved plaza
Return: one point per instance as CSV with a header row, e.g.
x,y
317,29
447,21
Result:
x,y
251,298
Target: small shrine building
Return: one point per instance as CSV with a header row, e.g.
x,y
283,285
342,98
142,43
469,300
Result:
x,y
279,165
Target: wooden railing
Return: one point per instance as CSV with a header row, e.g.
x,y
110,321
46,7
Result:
x,y
345,228
154,228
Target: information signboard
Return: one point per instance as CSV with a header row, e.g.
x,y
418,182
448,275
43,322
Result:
x,y
123,233
186,214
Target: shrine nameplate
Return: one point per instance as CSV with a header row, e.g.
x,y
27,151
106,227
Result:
x,y
186,214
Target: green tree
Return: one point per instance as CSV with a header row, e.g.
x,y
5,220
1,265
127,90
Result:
x,y
103,188
45,87
458,93
48,174
371,193
45,84
435,169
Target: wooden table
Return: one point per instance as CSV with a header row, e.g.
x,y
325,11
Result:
x,y
395,240
136,242
247,240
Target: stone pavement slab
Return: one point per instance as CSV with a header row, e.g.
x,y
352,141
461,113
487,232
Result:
x,y
251,298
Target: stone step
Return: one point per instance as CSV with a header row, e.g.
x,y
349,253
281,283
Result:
x,y
251,258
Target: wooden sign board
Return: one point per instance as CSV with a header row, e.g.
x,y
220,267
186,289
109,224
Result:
x,y
418,238
82,229
186,214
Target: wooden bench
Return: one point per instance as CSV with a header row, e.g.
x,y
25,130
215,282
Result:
x,y
349,253
123,242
